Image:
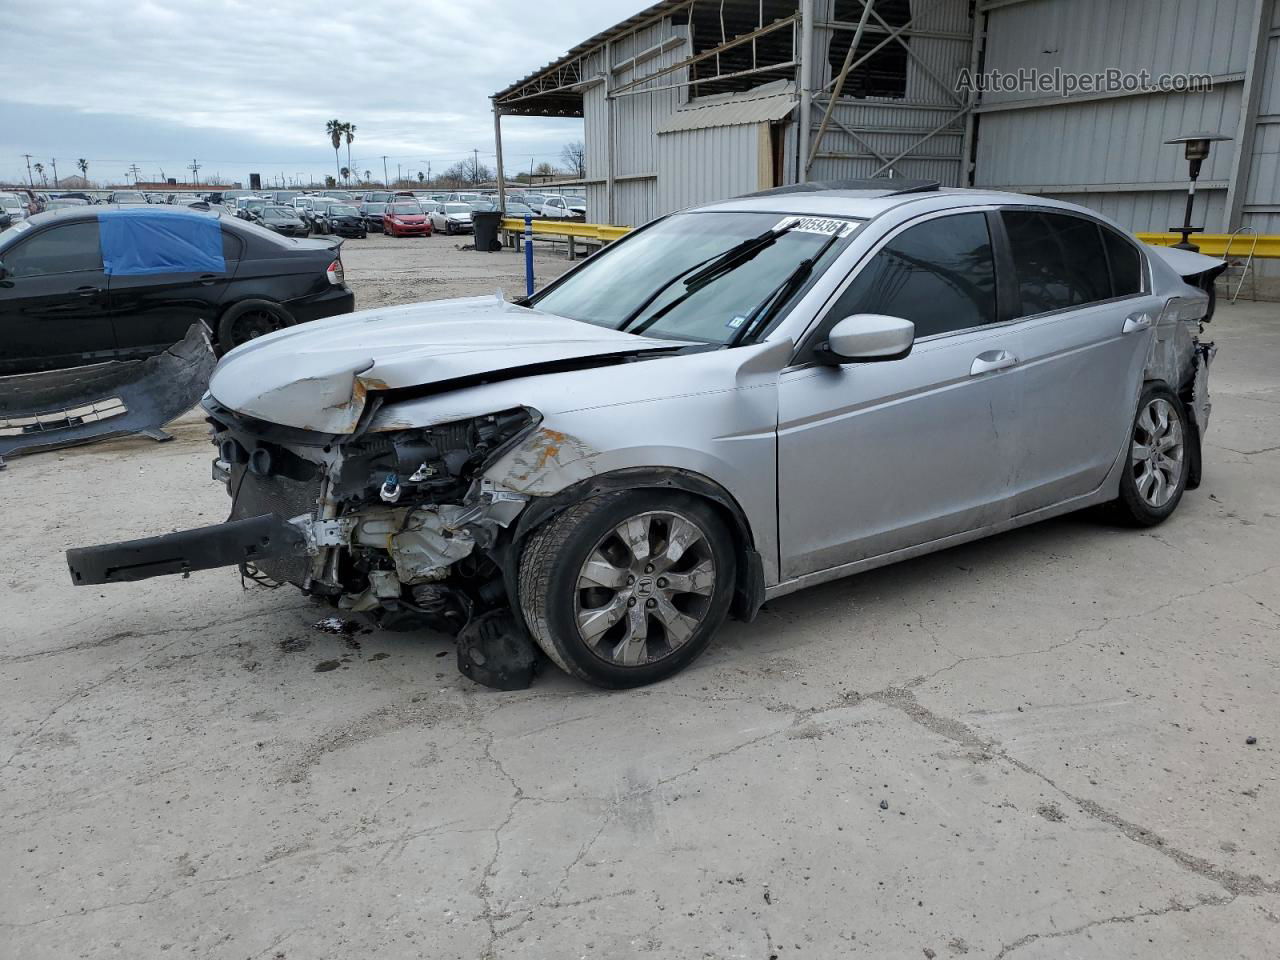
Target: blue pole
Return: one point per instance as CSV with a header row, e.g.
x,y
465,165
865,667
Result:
x,y
528,256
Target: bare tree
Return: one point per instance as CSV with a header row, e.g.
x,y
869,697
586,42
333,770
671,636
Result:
x,y
574,157
467,172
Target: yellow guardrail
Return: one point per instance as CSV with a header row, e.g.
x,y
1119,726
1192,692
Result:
x,y
567,228
1210,244
1215,244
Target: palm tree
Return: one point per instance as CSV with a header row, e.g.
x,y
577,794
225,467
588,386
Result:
x,y
421,176
346,174
335,129
39,169
349,131
368,175
83,164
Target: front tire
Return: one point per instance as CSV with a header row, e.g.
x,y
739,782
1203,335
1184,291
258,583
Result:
x,y
1159,458
627,588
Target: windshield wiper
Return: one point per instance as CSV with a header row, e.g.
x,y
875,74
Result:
x,y
707,270
769,306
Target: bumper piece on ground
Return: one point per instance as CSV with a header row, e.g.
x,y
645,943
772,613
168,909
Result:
x,y
204,548
494,650
44,411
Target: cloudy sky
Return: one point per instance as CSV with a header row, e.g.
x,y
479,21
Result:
x,y
244,86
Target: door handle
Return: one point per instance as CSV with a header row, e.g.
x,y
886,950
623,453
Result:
x,y
991,361
1140,322
87,291
208,279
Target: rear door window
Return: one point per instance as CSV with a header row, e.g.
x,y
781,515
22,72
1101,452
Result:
x,y
66,248
1059,261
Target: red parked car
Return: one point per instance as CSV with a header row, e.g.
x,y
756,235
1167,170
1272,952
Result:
x,y
405,220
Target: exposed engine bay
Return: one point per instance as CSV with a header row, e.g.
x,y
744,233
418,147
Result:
x,y
399,526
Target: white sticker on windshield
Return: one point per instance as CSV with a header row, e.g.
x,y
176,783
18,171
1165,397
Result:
x,y
823,225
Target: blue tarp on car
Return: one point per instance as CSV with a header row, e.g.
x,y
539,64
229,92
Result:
x,y
142,242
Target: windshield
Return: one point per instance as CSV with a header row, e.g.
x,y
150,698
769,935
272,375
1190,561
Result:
x,y
604,290
575,201
342,210
374,207
457,208
406,209
127,197
283,213
11,203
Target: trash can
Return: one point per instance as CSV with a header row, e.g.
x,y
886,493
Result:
x,y
485,223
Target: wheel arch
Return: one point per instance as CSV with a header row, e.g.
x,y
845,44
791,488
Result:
x,y
749,589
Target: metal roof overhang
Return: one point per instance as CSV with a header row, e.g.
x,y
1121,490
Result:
x,y
556,89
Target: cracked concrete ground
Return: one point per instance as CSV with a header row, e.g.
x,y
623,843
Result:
x,y
1030,747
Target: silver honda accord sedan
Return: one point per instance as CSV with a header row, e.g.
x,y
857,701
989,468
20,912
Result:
x,y
730,404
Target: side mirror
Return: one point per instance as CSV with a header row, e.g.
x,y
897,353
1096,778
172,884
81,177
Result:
x,y
4,271
867,338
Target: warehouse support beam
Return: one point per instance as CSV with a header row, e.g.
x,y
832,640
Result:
x,y
806,88
497,141
610,113
867,7
1246,127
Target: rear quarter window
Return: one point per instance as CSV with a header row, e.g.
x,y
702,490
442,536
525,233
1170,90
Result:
x,y
1126,263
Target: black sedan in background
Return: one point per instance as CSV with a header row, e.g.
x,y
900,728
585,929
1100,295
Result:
x,y
372,212
284,221
345,220
68,298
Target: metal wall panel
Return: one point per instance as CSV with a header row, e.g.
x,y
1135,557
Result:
x,y
1115,140
1088,36
699,166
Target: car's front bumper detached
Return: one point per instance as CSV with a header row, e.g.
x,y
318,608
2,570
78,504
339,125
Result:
x,y
204,548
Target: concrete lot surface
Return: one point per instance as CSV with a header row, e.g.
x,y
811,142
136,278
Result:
x,y
1029,747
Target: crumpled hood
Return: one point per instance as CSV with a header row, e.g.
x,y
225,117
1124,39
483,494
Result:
x,y
318,376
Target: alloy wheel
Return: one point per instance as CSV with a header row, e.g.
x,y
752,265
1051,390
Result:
x,y
256,323
1156,456
644,588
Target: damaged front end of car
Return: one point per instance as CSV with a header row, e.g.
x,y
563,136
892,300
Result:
x,y
399,527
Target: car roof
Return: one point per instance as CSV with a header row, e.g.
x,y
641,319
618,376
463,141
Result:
x,y
97,211
869,202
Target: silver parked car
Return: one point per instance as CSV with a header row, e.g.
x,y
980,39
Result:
x,y
451,217
730,404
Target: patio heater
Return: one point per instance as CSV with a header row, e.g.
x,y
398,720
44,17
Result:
x,y
1197,151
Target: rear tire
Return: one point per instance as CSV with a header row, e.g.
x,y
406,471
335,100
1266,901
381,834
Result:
x,y
248,320
627,588
1158,459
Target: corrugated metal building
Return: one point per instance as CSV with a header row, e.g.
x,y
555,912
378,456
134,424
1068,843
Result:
x,y
695,100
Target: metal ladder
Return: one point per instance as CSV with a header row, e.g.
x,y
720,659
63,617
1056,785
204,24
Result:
x,y
1238,270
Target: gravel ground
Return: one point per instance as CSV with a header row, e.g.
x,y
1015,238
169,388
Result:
x,y
1029,747
388,270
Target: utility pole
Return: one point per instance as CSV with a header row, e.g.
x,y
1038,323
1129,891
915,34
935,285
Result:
x,y
135,170
385,180
195,172
54,161
475,166
30,181
398,174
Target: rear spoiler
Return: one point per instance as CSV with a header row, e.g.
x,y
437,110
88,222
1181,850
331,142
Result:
x,y
1195,268
61,408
